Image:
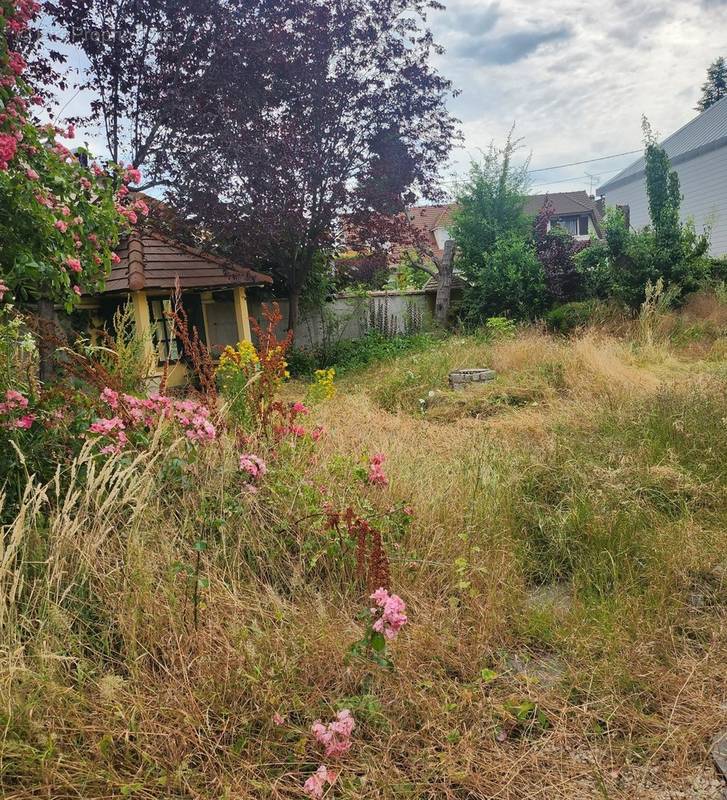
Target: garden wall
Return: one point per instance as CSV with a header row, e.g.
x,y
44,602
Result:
x,y
352,316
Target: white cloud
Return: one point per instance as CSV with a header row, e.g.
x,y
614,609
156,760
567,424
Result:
x,y
576,78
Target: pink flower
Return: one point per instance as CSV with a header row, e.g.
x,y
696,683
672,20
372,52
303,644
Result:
x,y
336,736
315,785
107,426
8,146
15,399
376,476
130,214
132,175
25,421
299,408
73,263
142,207
253,465
32,175
110,397
278,719
77,290
297,430
392,617
16,62
317,432
61,226
114,258
3,288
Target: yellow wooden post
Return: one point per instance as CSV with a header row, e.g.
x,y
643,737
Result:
x,y
242,315
143,322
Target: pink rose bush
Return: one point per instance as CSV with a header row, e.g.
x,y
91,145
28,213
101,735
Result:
x,y
61,201
144,414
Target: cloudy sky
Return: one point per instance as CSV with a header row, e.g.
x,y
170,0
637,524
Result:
x,y
575,77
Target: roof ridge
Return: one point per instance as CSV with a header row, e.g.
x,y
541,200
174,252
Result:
x,y
135,248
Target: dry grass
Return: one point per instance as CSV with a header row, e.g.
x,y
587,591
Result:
x,y
609,493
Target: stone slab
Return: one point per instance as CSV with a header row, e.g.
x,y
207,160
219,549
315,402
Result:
x,y
459,378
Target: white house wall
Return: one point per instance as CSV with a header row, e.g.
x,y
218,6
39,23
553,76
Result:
x,y
703,182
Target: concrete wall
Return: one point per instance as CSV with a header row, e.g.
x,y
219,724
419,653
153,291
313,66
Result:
x,y
351,316
703,182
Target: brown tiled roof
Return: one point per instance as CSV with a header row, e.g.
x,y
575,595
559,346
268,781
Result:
x,y
152,261
427,218
563,203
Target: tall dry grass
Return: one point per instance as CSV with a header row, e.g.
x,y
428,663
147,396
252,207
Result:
x,y
565,558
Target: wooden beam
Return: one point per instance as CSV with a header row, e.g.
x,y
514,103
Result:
x,y
142,320
242,315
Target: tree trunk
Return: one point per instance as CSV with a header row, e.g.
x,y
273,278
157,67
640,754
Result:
x,y
47,317
444,286
293,307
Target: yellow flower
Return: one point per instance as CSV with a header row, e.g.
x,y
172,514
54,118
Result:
x,y
238,358
322,387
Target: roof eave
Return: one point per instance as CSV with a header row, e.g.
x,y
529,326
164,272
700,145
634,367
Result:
x,y
622,180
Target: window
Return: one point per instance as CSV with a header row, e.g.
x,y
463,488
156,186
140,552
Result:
x,y
163,330
576,226
569,224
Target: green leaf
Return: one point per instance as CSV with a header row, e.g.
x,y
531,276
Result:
x,y
487,674
378,642
200,545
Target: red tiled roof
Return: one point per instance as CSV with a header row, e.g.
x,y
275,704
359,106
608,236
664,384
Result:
x,y
150,260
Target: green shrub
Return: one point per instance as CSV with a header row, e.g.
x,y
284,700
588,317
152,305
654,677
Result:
x,y
509,281
354,354
624,263
570,316
500,328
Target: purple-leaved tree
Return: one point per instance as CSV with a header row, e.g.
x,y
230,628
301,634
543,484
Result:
x,y
346,126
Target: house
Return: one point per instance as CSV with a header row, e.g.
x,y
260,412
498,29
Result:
x,y
698,153
575,211
213,295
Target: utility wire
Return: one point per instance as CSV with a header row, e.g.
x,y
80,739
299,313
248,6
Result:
x,y
587,161
561,166
574,178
